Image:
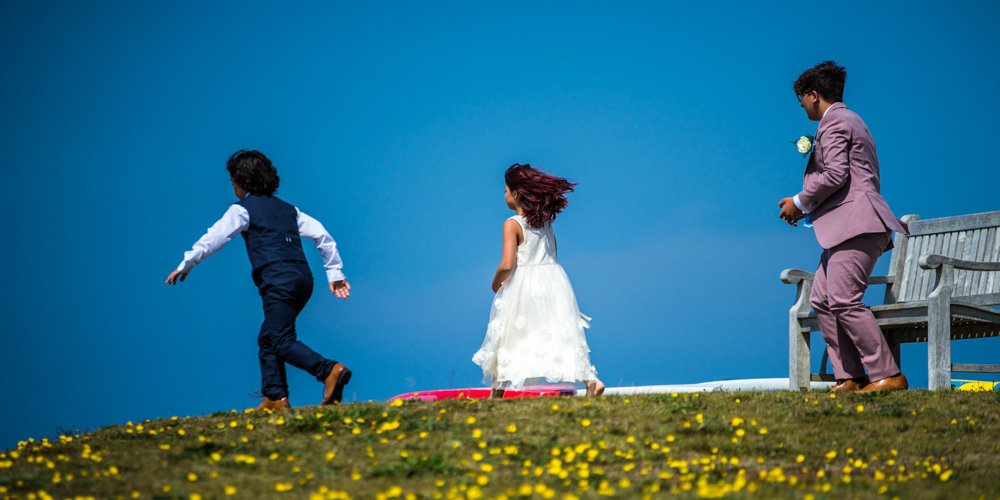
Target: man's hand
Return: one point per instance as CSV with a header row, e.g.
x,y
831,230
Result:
x,y
172,278
789,212
342,289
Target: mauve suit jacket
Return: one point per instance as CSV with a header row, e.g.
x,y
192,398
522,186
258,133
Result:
x,y
841,184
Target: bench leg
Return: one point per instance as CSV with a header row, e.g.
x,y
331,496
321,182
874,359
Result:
x,y
798,356
897,355
938,344
798,341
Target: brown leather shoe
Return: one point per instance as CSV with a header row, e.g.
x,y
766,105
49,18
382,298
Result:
x,y
897,383
270,404
333,386
849,385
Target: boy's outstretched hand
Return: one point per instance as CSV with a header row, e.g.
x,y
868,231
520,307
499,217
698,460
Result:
x,y
172,278
342,289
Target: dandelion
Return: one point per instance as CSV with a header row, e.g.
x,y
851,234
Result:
x,y
283,487
192,477
512,428
230,490
471,420
585,422
860,408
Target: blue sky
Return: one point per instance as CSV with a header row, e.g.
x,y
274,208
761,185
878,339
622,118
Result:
x,y
392,123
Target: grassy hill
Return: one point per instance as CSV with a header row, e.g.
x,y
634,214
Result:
x,y
778,444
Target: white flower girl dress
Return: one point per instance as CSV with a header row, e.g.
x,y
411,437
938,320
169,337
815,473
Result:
x,y
536,329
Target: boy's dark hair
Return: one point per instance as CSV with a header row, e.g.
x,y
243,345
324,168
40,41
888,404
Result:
x,y
826,78
253,172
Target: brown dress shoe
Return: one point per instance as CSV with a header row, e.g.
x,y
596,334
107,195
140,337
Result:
x,y
897,383
270,404
333,386
849,385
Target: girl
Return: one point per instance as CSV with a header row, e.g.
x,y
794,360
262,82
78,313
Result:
x,y
535,329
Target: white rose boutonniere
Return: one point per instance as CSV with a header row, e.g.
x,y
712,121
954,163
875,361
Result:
x,y
805,144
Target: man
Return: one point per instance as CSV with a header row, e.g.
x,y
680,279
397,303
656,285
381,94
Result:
x,y
853,224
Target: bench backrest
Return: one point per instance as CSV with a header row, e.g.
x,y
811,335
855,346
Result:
x,y
968,237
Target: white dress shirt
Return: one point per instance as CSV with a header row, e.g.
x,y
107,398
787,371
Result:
x,y
796,197
237,219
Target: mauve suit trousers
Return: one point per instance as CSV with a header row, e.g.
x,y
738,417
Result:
x,y
854,340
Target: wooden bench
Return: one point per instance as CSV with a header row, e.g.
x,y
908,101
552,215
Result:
x,y
943,282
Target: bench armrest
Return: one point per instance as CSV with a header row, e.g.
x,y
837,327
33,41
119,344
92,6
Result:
x,y
790,276
933,261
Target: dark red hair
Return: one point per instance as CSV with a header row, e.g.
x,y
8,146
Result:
x,y
541,196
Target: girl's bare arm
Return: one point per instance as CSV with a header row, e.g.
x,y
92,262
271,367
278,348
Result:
x,y
512,237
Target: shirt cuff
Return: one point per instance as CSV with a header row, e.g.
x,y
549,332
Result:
x,y
335,275
798,203
184,267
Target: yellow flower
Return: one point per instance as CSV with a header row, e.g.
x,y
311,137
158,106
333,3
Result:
x,y
330,455
230,490
355,475
283,487
861,408
471,420
397,403
482,480
585,422
474,493
477,433
191,476
512,428
800,459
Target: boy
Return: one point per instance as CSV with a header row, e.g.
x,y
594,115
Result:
x,y
272,229
853,224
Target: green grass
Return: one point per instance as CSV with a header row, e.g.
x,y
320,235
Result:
x,y
778,444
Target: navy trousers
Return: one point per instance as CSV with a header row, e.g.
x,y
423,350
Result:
x,y
285,288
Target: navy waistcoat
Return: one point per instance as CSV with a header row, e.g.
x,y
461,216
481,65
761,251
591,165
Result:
x,y
273,233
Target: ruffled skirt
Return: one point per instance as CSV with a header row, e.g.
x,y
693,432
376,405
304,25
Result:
x,y
536,331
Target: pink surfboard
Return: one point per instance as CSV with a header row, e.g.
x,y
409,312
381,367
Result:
x,y
533,391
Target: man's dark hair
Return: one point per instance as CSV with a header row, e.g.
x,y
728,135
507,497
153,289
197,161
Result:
x,y
826,78
253,172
